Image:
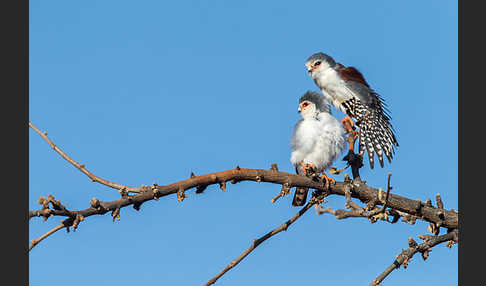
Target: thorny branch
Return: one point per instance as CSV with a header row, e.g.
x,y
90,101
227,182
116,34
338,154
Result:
x,y
392,205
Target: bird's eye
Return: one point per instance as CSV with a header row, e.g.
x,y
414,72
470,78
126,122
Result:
x,y
305,104
317,63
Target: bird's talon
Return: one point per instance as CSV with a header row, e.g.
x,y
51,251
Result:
x,y
328,180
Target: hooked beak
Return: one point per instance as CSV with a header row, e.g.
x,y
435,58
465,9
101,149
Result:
x,y
299,110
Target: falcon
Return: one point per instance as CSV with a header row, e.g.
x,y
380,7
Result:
x,y
317,140
348,91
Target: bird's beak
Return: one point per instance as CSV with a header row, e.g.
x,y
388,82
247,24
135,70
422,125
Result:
x,y
299,110
309,68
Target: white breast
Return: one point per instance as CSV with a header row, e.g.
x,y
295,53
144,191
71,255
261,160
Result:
x,y
318,142
333,87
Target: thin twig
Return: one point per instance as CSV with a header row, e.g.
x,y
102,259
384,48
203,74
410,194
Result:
x,y
388,189
258,241
81,166
34,242
383,208
407,254
349,202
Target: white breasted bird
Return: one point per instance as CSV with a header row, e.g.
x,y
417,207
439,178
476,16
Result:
x,y
348,91
317,140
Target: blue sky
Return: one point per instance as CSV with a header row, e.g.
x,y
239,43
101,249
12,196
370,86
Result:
x,y
150,91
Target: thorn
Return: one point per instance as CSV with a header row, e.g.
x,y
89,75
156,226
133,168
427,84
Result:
x,y
237,167
81,166
192,175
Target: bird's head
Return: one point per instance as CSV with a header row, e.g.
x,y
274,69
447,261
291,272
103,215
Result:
x,y
311,104
318,63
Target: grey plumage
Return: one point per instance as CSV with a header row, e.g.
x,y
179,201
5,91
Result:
x,y
316,98
322,57
348,91
318,139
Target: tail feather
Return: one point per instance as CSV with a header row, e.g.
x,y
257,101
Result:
x,y
300,197
376,136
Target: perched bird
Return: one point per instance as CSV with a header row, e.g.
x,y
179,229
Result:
x,y
348,91
317,140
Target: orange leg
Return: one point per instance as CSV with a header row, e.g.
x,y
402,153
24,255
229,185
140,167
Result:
x,y
328,179
348,123
306,167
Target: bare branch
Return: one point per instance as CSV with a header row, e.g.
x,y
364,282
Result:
x,y
81,167
257,242
407,254
364,193
64,223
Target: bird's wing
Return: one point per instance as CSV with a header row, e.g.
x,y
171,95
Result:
x,y
332,139
371,114
351,74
